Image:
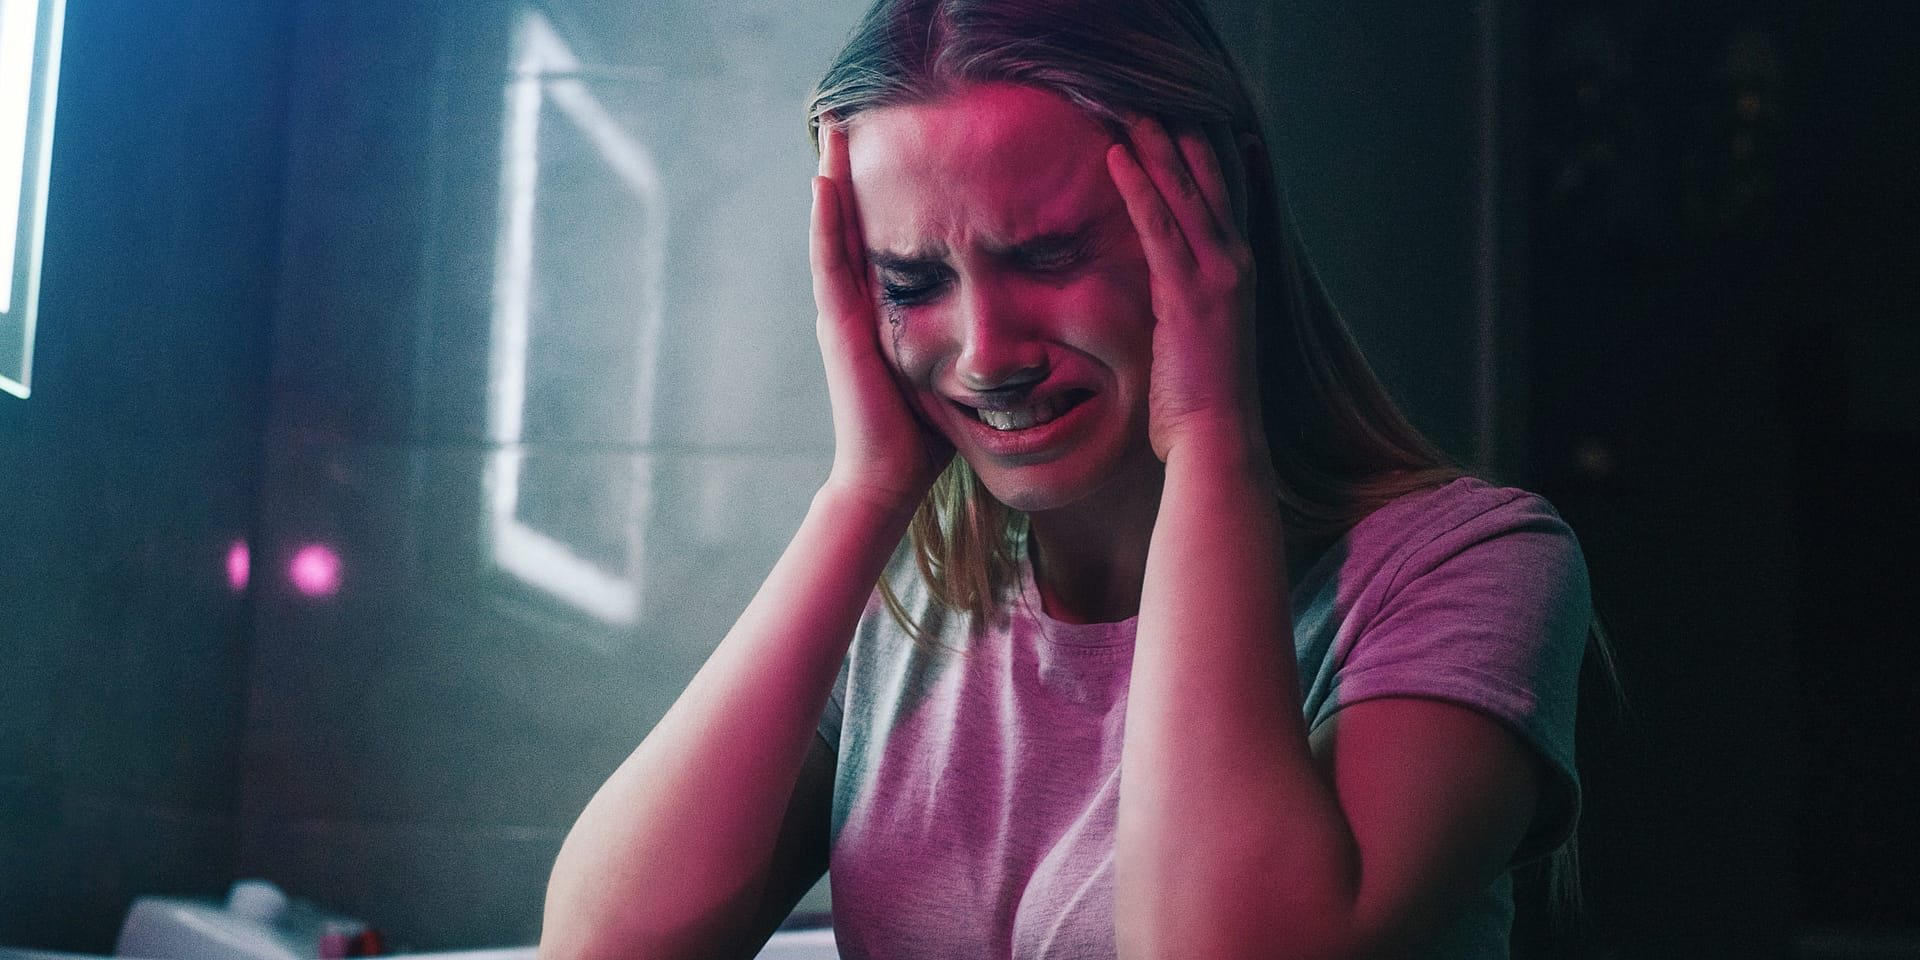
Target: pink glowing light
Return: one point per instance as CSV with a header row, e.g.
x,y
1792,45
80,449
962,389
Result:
x,y
239,565
315,570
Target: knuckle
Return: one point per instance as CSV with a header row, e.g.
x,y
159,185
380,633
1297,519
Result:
x,y
1161,221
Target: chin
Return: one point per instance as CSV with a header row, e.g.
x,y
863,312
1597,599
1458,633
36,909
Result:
x,y
1052,486
1027,498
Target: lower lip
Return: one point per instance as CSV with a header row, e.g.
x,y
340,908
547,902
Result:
x,y
1034,441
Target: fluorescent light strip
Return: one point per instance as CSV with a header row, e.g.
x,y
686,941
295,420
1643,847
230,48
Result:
x,y
19,20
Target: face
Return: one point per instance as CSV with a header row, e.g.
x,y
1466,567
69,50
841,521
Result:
x,y
1013,294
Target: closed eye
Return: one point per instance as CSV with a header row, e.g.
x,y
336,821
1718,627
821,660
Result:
x,y
1053,255
909,289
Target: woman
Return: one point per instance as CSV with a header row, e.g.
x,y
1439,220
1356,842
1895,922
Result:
x,y
1166,531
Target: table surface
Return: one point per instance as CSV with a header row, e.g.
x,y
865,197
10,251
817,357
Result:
x,y
814,944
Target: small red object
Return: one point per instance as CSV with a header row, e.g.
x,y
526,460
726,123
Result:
x,y
366,943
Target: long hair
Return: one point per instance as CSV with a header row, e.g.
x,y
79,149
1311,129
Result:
x,y
1340,446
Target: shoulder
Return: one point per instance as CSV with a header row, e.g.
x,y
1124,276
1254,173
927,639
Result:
x,y
1477,595
1423,532
1464,505
1462,558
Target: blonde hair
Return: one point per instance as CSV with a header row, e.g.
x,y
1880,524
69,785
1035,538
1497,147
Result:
x,y
1340,446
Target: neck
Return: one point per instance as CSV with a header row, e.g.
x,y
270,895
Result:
x,y
1090,558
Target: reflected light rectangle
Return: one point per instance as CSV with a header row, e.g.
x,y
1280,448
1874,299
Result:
x,y
543,74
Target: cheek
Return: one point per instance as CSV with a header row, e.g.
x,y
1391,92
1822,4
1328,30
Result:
x,y
1119,312
907,343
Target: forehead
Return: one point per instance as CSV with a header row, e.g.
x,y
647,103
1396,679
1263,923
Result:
x,y
991,163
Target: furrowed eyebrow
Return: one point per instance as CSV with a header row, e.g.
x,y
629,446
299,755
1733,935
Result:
x,y
1039,243
903,262
1048,242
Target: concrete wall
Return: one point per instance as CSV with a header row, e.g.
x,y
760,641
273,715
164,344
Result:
x,y
508,382
132,471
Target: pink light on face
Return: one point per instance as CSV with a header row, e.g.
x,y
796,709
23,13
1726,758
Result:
x,y
239,565
315,571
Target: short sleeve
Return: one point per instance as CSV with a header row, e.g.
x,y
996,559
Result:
x,y
1491,613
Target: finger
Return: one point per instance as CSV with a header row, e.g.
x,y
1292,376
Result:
x,y
1203,163
826,144
1166,249
836,166
834,293
1155,151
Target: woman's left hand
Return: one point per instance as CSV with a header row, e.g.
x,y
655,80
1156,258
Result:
x,y
1203,386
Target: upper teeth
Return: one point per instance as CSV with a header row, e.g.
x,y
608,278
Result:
x,y
1025,417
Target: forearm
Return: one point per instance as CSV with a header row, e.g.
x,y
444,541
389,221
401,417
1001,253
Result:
x,y
675,847
1227,834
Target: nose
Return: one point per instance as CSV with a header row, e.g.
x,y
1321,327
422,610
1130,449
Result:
x,y
999,350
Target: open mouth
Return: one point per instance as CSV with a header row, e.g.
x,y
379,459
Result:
x,y
1030,415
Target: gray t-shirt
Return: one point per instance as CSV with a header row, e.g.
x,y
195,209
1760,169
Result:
x,y
975,799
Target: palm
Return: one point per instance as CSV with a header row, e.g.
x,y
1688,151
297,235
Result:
x,y
1203,380
881,448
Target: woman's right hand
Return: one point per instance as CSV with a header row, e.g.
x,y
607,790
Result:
x,y
882,452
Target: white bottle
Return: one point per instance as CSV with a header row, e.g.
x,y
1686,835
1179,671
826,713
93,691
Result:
x,y
257,922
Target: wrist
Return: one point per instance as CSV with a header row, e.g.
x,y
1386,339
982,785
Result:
x,y
865,506
1221,441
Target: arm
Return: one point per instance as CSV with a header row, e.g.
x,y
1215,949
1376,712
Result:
x,y
673,855
1238,837
801,855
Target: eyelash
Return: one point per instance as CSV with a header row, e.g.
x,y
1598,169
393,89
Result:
x,y
1057,260
910,294
906,295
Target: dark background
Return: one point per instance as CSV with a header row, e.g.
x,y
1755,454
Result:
x,y
1724,404
1653,260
